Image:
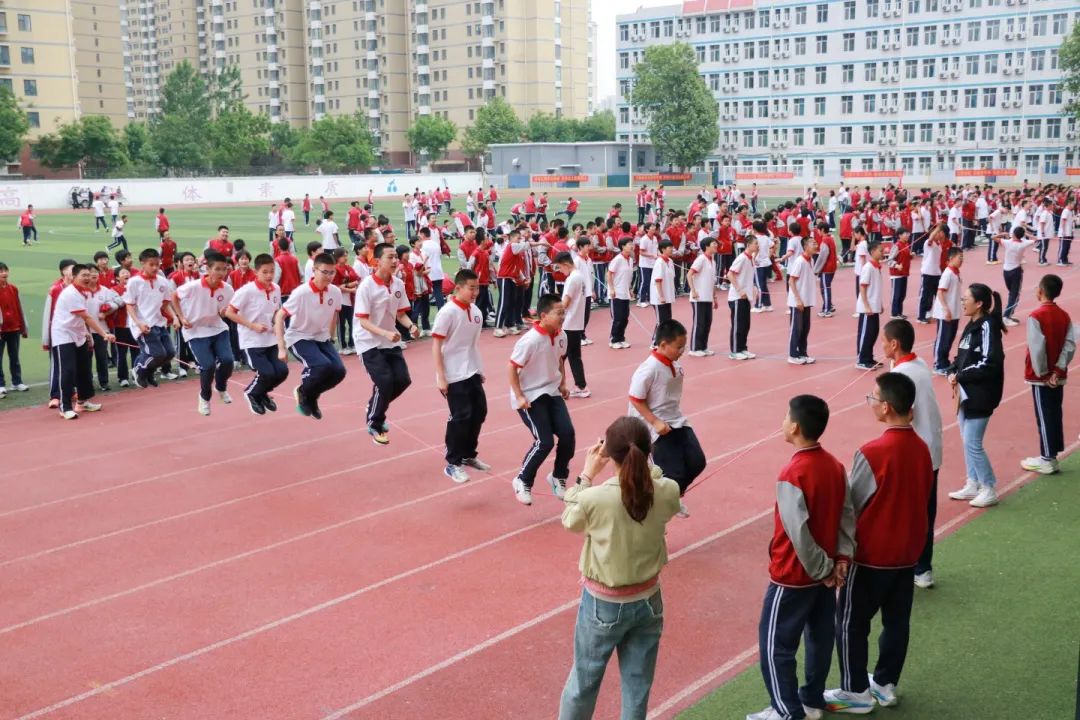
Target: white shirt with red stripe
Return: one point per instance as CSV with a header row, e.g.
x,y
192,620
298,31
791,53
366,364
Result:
x,y
311,311
202,306
622,273
742,269
801,271
144,298
69,317
256,303
950,283
575,298
662,283
458,326
704,281
380,302
658,382
870,278
538,357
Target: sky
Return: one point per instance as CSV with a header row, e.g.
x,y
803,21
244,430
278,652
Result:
x,y
604,12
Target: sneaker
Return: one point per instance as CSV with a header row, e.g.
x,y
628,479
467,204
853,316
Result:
x,y
822,314
204,406
69,415
757,310
737,356
708,353
521,493
683,512
499,333
54,404
813,713
21,387
558,486
268,403
624,345
987,497
885,695
181,372
254,404
379,436
124,383
865,366
140,381
514,331
924,580
301,402
476,464
586,341
1040,465
170,376
615,345
575,393
854,314
696,353
796,361
643,305
225,397
456,473
316,412
1011,322
747,355
770,714
842,701
922,321
807,360
969,492
3,392
941,371
151,380
88,407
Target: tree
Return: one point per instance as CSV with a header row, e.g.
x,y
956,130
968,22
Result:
x,y
335,143
545,127
90,142
431,134
1069,57
496,122
13,125
180,135
598,127
225,90
681,111
137,142
239,138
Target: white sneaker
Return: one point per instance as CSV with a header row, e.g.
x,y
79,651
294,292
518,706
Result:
x,y
456,473
968,492
737,356
885,695
181,372
813,713
986,498
21,387
499,333
757,310
521,493
476,464
204,406
842,701
769,308
615,346
924,580
90,406
697,353
586,341
169,376
643,305
807,360
69,415
124,383
558,487
624,345
1040,465
514,331
3,392
225,397
683,511
575,393
747,355
795,361
770,714
708,353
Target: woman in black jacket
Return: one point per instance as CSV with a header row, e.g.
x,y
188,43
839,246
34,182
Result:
x,y
978,378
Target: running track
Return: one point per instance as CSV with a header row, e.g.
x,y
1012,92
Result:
x,y
155,563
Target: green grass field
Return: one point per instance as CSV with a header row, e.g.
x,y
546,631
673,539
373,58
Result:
x,y
997,637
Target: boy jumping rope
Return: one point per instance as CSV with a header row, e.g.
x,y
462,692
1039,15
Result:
x,y
147,292
252,309
198,306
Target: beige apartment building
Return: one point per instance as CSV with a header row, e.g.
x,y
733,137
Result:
x,y
300,60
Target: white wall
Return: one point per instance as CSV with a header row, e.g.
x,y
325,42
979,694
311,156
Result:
x,y
172,193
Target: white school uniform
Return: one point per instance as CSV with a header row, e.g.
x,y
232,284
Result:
x,y
575,289
202,307
950,283
69,318
1014,252
742,268
99,208
118,229
664,274
649,251
114,207
144,299
870,277
288,219
764,253
801,270
380,302
327,229
1066,224
431,249
622,271
538,357
458,326
585,267
256,304
311,312
862,255
1021,219
704,282
658,382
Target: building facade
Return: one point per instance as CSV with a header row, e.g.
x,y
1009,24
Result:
x,y
926,87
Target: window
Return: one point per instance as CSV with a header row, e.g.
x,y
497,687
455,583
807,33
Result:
x,y
34,119
986,130
971,98
748,80
912,35
928,66
800,107
990,64
871,40
1050,164
819,136
748,20
973,31
926,100
823,14
872,8
624,61
869,103
27,55
819,106
847,104
1038,26
993,29
624,33
989,96
1034,129
870,71
926,132
1031,164
1035,95
868,134
800,46
930,35
763,18
849,9
1053,94
847,73
1061,23
800,14
29,87
1038,59
763,108
909,101
24,23
911,69
1054,59
748,50
913,7
1053,128
822,42
821,74
849,42
800,77
763,138
968,130
798,137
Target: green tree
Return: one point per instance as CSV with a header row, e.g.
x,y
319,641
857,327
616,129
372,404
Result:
x,y
431,134
681,111
1069,57
13,125
180,135
225,90
137,142
90,142
545,127
239,138
598,127
335,143
496,122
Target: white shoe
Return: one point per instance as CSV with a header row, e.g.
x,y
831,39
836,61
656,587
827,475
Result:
x,y
1040,465
69,415
3,392
924,580
770,714
986,498
813,713
586,341
643,305
204,406
225,397
514,331
90,406
683,512
521,493
624,345
769,308
456,473
796,361
737,356
697,353
169,376
575,393
615,346
842,701
807,360
476,464
558,487
124,383
747,355
181,372
21,387
708,353
499,333
757,310
854,315
885,695
969,492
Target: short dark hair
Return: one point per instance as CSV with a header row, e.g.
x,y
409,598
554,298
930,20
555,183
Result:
x,y
902,332
1051,286
313,247
953,252
3,266
873,245
101,254
79,267
323,259
810,413
898,390
563,258
283,243
65,263
120,256
463,276
340,253
242,254
261,260
381,248
707,242
664,245
546,302
213,256
149,254
624,241
669,331
222,227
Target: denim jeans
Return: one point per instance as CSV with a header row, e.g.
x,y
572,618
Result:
x,y
634,629
978,464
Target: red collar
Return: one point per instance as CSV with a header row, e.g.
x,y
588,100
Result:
x,y
460,304
907,358
665,361
317,291
382,283
875,264
265,288
806,257
149,278
539,328
207,286
815,446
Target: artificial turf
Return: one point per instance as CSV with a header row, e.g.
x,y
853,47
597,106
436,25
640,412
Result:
x,y
997,637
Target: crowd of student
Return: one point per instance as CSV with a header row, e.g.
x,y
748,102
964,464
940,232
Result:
x,y
209,311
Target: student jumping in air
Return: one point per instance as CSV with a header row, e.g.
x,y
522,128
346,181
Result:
x,y
198,306
1012,268
146,293
252,309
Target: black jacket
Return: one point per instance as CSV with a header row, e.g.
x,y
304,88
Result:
x,y
980,367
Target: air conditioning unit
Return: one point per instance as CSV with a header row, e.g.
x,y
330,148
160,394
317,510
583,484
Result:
x,y
1010,2
942,75
940,140
952,152
727,88
786,53
941,153
1017,103
941,106
727,58
884,78
946,40
952,140
955,73
896,78
727,28
952,106
1009,35
1016,136
784,85
894,109
786,23
883,109
1019,69
776,55
882,141
946,7
1070,136
1006,70
774,144
892,141
1022,2
783,113
1003,150
783,143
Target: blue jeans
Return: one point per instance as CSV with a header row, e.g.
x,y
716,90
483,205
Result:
x,y
634,629
978,464
215,359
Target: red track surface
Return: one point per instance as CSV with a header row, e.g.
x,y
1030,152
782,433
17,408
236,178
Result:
x,y
241,567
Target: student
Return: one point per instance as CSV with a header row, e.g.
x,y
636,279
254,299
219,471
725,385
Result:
x,y
801,298
381,303
1013,270
69,334
656,397
648,249
621,603
312,310
763,262
947,310
662,285
809,556
168,254
581,250
161,227
742,283
421,285
48,311
574,300
146,293
978,378
898,340
26,224
538,392
127,350
1051,344
101,302
328,231
118,238
899,270
305,207
481,265
114,207
12,328
890,482
288,269
314,249
510,275
825,265
199,306
459,375
99,213
703,298
287,217
1067,227
869,307
221,244
433,248
930,270
620,274
861,255
347,281
253,308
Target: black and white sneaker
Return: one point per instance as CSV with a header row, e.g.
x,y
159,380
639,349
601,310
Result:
x,y
140,381
254,404
268,403
476,464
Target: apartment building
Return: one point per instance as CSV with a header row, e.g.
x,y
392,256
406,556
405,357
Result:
x,y
929,87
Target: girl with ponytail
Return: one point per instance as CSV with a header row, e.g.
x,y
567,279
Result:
x,y
978,379
623,519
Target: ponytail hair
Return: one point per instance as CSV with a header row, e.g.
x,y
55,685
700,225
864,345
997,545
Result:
x,y
990,302
628,443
